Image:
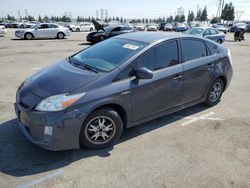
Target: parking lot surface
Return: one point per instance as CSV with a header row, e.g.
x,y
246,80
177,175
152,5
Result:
x,y
197,147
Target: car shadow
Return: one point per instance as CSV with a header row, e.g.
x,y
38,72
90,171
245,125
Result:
x,y
43,39
86,43
230,41
18,157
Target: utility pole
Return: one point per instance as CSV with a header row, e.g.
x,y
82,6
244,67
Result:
x,y
97,14
223,1
19,15
102,12
106,14
220,8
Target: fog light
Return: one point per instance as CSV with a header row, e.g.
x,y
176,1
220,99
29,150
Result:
x,y
48,130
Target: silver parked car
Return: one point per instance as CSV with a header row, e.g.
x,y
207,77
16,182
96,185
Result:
x,y
207,32
45,30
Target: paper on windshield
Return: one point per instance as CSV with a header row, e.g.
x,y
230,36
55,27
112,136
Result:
x,y
131,46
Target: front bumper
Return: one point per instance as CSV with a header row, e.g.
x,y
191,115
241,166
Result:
x,y
65,127
92,39
19,35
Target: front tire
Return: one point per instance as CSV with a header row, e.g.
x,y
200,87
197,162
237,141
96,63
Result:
x,y
77,30
215,92
101,129
60,35
91,29
102,38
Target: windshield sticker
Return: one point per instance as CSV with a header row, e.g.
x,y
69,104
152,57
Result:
x,y
131,46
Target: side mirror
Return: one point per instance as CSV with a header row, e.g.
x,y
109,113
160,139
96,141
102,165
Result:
x,y
144,73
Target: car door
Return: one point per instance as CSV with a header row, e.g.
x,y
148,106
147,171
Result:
x,y
163,91
83,27
52,31
115,31
125,29
211,34
41,31
197,69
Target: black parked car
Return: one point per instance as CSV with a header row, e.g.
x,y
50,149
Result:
x,y
103,33
89,98
162,25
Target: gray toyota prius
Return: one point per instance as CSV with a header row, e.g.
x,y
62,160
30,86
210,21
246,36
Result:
x,y
90,97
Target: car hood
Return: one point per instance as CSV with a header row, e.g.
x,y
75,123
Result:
x,y
97,25
59,78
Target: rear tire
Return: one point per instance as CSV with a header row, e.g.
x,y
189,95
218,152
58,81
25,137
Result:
x,y
28,36
77,30
60,35
101,129
91,29
215,92
219,41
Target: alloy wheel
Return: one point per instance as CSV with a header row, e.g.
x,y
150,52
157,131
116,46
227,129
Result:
x,y
100,130
215,92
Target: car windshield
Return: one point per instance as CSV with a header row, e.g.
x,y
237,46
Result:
x,y
195,31
181,25
108,28
109,54
219,26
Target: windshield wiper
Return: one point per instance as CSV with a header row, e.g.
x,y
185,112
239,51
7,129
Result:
x,y
82,66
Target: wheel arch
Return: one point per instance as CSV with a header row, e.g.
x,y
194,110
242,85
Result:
x,y
224,80
118,108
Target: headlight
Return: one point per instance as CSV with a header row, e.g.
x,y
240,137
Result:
x,y
58,102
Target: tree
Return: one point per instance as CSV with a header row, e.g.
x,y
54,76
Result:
x,y
176,19
204,14
171,19
11,18
40,19
182,18
45,18
215,20
190,16
228,13
198,15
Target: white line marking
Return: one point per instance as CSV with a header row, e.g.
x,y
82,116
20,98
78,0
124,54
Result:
x,y
42,179
191,119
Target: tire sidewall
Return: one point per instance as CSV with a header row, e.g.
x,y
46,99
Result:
x,y
208,101
102,112
60,33
25,36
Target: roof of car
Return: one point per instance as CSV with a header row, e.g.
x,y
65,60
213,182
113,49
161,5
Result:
x,y
151,37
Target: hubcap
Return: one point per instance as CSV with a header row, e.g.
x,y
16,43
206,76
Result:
x,y
28,36
100,130
215,92
60,35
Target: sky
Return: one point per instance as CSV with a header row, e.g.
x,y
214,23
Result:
x,y
125,8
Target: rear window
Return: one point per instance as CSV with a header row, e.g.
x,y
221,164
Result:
x,y
193,49
213,48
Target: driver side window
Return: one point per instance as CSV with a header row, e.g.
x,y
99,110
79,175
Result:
x,y
116,29
43,26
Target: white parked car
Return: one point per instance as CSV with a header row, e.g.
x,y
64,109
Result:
x,y
152,27
44,30
84,26
2,30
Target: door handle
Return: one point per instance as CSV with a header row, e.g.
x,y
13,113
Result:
x,y
209,66
177,77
